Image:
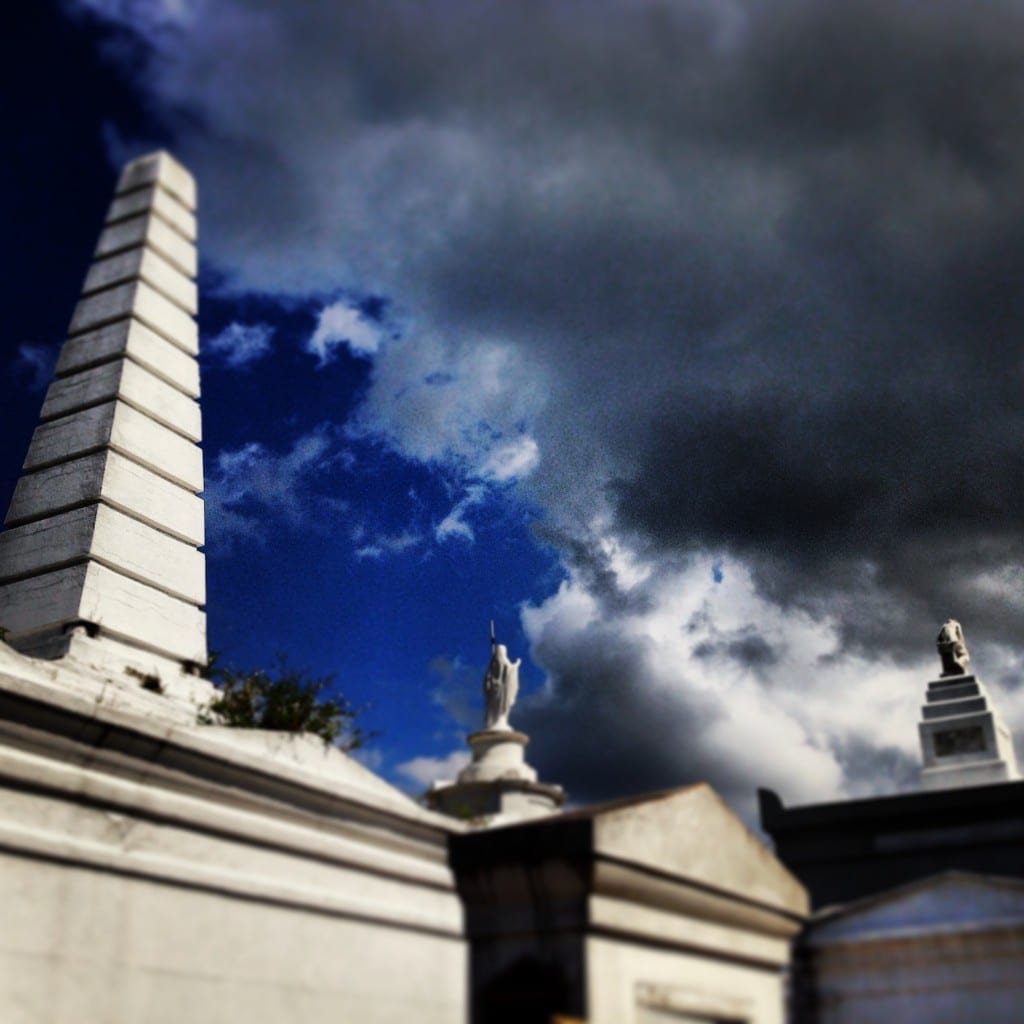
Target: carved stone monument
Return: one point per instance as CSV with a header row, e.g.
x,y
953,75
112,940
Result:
x,y
501,687
100,565
964,741
497,784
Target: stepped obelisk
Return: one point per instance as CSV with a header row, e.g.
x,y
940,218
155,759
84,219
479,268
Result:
x,y
99,563
964,740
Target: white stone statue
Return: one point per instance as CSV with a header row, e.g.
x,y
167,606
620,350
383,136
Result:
x,y
952,649
501,686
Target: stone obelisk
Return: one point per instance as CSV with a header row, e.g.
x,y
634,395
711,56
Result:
x,y
100,561
964,740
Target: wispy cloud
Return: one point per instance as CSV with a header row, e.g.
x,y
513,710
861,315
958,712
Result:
x,y
252,486
381,546
455,525
240,345
34,362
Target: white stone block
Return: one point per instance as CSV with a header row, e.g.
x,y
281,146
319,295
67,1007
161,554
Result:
x,y
123,607
159,168
152,268
160,201
69,436
110,537
126,430
81,390
137,299
42,602
152,444
133,339
109,477
153,231
131,383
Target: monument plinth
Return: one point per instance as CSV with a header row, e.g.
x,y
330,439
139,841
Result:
x,y
964,741
497,783
100,563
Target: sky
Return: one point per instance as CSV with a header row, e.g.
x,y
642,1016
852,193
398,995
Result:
x,y
682,338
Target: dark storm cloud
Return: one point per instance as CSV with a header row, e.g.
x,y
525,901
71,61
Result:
x,y
589,740
626,720
745,646
764,261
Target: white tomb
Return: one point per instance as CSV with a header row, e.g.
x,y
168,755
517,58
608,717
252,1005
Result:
x,y
964,741
155,869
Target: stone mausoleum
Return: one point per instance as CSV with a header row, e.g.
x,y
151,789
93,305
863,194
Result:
x,y
155,869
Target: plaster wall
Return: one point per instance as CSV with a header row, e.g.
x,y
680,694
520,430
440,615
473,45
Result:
x,y
151,871
633,983
82,944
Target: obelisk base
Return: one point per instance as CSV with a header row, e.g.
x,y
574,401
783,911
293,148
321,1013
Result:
x,y
497,784
964,741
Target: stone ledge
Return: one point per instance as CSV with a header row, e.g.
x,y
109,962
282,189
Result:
x,y
146,745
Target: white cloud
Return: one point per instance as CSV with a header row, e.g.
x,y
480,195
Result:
x,y
670,677
454,524
513,461
625,264
238,345
343,324
461,404
425,770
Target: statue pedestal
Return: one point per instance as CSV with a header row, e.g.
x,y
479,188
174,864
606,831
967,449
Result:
x,y
497,783
964,742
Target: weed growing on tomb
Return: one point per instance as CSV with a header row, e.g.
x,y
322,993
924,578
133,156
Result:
x,y
147,681
283,699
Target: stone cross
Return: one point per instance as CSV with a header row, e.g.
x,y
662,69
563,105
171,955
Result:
x,y
106,522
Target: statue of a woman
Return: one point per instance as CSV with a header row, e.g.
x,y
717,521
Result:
x,y
952,649
501,685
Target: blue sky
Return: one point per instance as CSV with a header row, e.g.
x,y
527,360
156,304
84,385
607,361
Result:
x,y
680,338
